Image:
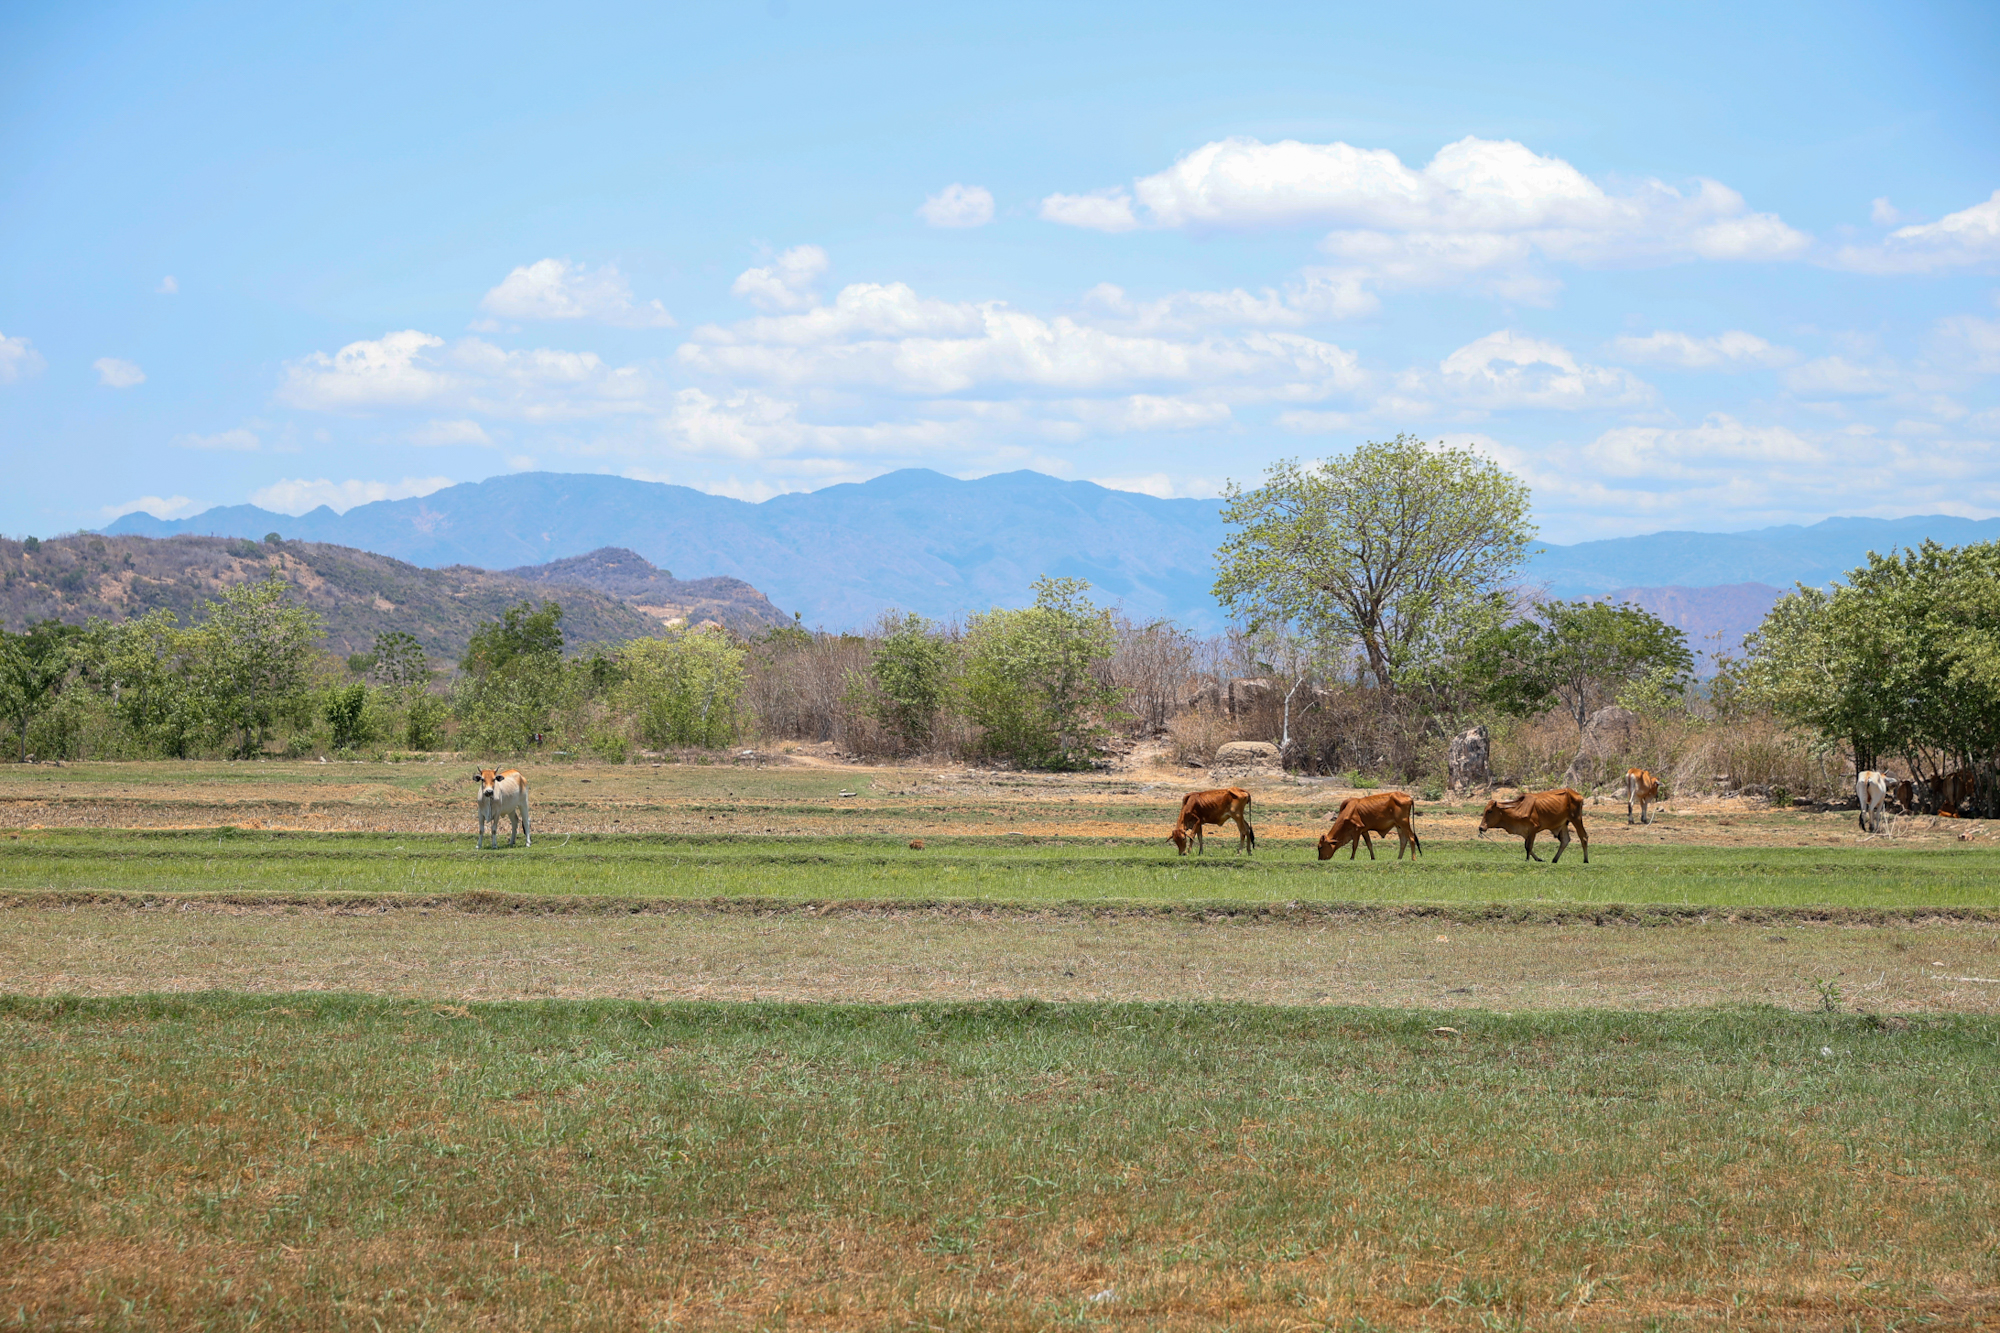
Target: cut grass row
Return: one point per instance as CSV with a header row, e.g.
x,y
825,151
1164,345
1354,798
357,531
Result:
x,y
1000,870
229,1162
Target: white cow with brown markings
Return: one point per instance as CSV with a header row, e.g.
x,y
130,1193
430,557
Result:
x,y
503,794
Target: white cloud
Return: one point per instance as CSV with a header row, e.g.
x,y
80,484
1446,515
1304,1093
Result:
x,y
886,337
1838,375
1164,486
168,286
1884,214
958,206
1965,239
18,359
1970,343
1510,369
172,506
1109,210
117,374
1734,350
240,441
300,496
1476,216
785,283
443,433
411,369
558,289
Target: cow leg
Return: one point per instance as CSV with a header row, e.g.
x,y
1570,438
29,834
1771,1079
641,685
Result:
x,y
1530,846
1628,812
1583,838
1645,812
1246,837
1562,845
527,834
481,844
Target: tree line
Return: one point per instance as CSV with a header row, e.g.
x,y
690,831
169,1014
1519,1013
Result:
x,y
1378,607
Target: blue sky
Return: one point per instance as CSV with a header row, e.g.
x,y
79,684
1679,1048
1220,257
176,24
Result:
x,y
1732,267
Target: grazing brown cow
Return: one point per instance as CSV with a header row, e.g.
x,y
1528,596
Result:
x,y
1644,789
1220,806
1554,812
1384,813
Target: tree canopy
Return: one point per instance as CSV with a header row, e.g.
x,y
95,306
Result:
x,y
1396,548
1580,655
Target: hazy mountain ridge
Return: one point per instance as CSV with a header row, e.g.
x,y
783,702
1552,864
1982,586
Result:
x,y
920,541
631,578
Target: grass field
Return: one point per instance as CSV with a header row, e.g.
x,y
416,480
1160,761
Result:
x,y
722,1050
221,1162
990,869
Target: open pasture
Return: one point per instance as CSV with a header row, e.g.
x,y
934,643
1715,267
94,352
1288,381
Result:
x,y
332,1162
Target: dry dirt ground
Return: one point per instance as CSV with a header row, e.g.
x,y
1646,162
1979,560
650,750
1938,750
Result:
x,y
804,794
887,955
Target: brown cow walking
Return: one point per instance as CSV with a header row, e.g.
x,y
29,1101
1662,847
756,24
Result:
x,y
1554,812
1640,788
1220,806
1384,813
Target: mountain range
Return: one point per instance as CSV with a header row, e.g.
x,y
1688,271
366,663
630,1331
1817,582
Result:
x,y
917,540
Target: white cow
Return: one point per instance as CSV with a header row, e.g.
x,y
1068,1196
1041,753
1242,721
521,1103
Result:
x,y
1872,790
503,794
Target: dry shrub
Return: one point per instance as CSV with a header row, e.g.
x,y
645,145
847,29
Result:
x,y
798,690
1195,734
1693,756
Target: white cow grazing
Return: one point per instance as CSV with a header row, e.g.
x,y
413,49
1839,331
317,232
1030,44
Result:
x,y
1872,790
503,794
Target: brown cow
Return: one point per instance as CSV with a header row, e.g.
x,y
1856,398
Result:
x,y
1904,793
1644,789
1554,812
1951,791
1359,816
1220,806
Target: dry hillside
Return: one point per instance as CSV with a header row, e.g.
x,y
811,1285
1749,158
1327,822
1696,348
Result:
x,y
86,576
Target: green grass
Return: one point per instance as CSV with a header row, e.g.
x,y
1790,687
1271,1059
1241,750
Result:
x,y
332,1162
1024,870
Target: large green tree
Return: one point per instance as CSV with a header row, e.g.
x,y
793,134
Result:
x,y
252,660
909,679
684,689
1395,548
1579,655
34,666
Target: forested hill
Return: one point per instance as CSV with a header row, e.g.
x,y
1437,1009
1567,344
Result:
x,y
358,594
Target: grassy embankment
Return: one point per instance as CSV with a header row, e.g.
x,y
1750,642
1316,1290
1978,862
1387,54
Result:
x,y
313,1162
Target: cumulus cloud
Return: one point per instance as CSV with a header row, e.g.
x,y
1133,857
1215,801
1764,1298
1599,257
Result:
x,y
1968,238
1836,375
411,369
1734,350
1107,210
1476,216
1969,343
1510,369
958,206
168,286
18,359
558,289
117,374
786,283
239,441
301,496
171,506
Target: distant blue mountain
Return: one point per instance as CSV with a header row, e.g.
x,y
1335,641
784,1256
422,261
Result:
x,y
915,540
921,541
1779,557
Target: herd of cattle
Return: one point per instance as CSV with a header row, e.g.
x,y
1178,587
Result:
x,y
1946,795
503,794
1360,818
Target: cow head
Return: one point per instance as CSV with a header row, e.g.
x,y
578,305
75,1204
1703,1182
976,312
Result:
x,y
1491,818
1343,832
1179,838
486,777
